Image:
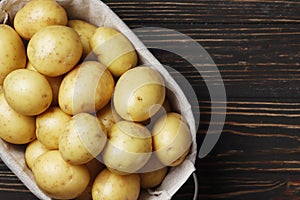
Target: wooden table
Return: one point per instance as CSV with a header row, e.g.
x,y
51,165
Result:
x,y
256,47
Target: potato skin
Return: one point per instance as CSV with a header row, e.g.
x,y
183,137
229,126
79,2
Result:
x,y
83,139
109,186
153,178
54,50
38,14
128,149
15,127
57,178
50,125
12,51
171,139
139,94
87,88
33,150
85,31
28,92
114,50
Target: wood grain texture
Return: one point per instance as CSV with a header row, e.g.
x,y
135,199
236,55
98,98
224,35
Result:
x,y
256,47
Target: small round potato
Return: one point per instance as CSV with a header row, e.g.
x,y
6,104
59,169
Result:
x,y
87,88
108,116
27,91
114,50
171,139
59,179
139,94
14,127
110,186
154,178
54,50
85,31
12,51
129,147
38,14
33,150
54,82
82,140
49,125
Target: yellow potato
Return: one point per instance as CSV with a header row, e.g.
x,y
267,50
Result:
x,y
37,14
28,92
108,116
153,178
85,31
12,51
114,50
129,147
57,178
54,82
171,139
95,167
109,186
87,88
14,127
83,139
139,94
33,150
50,125
54,50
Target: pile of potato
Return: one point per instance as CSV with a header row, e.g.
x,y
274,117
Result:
x,y
97,125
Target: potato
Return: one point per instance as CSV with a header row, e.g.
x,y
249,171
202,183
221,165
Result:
x,y
54,50
14,127
95,167
109,186
153,178
83,139
28,92
129,147
108,116
85,31
57,178
87,88
50,125
37,14
114,50
12,51
139,94
54,82
33,150
171,139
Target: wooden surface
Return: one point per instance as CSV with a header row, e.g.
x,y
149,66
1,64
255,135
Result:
x,y
256,47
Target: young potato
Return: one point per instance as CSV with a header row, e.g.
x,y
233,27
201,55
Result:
x,y
153,178
114,50
33,150
37,14
54,50
54,82
108,116
87,88
109,186
28,92
50,125
12,51
59,179
171,139
129,147
95,167
82,140
139,94
85,31
14,127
